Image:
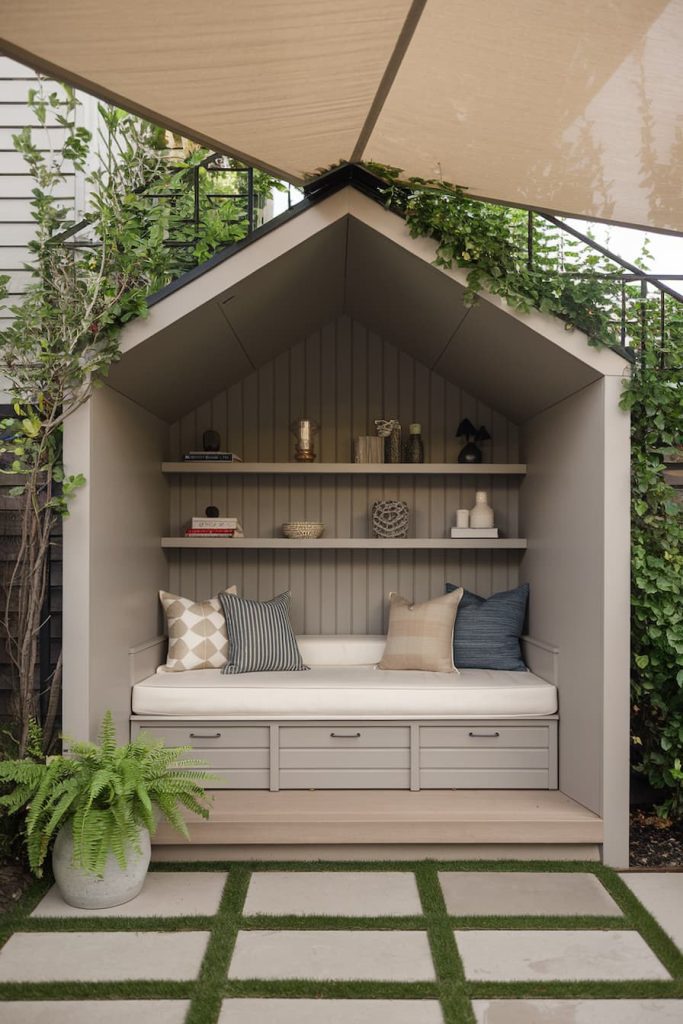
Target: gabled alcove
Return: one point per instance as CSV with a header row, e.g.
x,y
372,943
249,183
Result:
x,y
336,313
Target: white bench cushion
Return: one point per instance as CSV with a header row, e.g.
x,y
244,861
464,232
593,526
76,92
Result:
x,y
346,691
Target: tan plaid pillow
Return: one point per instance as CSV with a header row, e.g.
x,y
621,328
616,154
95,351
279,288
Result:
x,y
197,634
420,636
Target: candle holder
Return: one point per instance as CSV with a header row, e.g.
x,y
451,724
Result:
x,y
305,432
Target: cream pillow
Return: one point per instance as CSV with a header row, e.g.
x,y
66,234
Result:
x,y
197,634
420,636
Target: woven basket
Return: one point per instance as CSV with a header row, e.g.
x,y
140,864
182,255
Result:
x,y
303,530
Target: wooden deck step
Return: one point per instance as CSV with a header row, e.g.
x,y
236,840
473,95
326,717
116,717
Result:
x,y
319,817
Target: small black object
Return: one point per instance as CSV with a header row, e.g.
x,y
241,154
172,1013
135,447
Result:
x,y
211,512
470,452
211,441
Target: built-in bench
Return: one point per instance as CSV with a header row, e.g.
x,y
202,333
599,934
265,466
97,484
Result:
x,y
345,724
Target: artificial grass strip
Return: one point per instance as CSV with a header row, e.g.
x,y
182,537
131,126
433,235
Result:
x,y
455,1004
116,924
575,989
330,923
22,990
303,988
208,992
502,923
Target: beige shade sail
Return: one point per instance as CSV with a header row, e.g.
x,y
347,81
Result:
x,y
572,106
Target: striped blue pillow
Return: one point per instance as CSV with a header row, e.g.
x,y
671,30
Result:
x,y
260,635
487,630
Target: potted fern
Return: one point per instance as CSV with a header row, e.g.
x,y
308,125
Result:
x,y
99,802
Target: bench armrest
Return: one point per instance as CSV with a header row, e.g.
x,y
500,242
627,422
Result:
x,y
542,658
145,658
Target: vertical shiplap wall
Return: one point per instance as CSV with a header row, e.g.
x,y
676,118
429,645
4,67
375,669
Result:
x,y
345,377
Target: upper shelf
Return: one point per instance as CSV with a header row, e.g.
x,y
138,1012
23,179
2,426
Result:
x,y
352,468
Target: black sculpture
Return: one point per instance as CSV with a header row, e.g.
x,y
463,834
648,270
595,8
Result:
x,y
470,452
211,441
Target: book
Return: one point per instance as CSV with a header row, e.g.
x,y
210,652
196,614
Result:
x,y
211,457
473,532
192,532
216,523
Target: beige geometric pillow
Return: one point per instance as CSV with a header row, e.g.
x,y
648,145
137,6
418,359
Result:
x,y
197,634
420,636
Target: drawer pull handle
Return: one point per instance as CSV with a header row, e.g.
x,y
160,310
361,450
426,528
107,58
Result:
x,y
345,735
484,735
205,735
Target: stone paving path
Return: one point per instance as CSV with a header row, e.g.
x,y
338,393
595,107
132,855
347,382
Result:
x,y
405,945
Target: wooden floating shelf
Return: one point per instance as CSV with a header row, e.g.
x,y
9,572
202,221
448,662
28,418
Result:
x,y
331,543
349,468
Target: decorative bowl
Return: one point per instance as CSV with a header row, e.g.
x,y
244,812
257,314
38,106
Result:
x,y
303,530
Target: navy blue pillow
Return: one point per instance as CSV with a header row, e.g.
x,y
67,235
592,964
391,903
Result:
x,y
487,630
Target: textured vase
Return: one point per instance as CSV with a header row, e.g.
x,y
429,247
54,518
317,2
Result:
x,y
481,516
89,892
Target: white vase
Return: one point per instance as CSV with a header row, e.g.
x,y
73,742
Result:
x,y
89,892
481,516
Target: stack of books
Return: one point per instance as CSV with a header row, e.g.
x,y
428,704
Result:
x,y
219,526
473,532
211,457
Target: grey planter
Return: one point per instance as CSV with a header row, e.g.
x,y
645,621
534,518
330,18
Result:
x,y
87,891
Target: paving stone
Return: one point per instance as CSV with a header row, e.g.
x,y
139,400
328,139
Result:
x,y
330,1011
525,892
351,893
133,1011
102,956
662,894
333,955
578,1011
565,955
165,894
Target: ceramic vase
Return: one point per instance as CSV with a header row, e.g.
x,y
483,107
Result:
x,y
89,892
481,516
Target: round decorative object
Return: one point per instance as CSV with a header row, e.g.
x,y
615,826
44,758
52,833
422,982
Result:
x,y
390,519
211,441
90,892
211,512
303,530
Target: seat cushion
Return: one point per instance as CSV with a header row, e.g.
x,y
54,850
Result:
x,y
352,692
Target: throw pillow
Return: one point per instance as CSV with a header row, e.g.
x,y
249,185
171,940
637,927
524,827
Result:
x,y
487,631
260,636
420,636
197,637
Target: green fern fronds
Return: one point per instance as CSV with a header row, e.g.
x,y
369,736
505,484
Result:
x,y
106,793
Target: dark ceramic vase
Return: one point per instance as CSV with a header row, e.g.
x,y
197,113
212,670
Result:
x,y
470,453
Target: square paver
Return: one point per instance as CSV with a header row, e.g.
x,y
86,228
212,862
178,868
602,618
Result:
x,y
564,955
133,1011
348,893
525,892
165,894
333,956
102,956
662,894
578,1011
330,1011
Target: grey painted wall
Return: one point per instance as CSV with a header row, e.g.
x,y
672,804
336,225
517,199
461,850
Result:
x,y
113,561
344,376
574,510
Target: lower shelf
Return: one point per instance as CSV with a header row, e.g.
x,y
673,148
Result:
x,y
351,817
333,543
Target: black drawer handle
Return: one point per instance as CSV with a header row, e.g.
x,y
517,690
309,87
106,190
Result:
x,y
205,736
345,735
484,735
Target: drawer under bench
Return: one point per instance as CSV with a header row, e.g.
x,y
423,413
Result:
x,y
518,754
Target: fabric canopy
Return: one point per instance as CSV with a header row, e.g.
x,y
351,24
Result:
x,y
574,106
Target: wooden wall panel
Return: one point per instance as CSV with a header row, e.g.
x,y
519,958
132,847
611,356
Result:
x,y
346,377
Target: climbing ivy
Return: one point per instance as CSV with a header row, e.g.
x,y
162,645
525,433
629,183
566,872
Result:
x,y
560,275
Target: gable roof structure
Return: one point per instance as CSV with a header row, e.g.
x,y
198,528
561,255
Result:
x,y
341,251
571,107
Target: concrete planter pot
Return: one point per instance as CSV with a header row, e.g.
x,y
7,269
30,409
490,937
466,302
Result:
x,y
82,889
